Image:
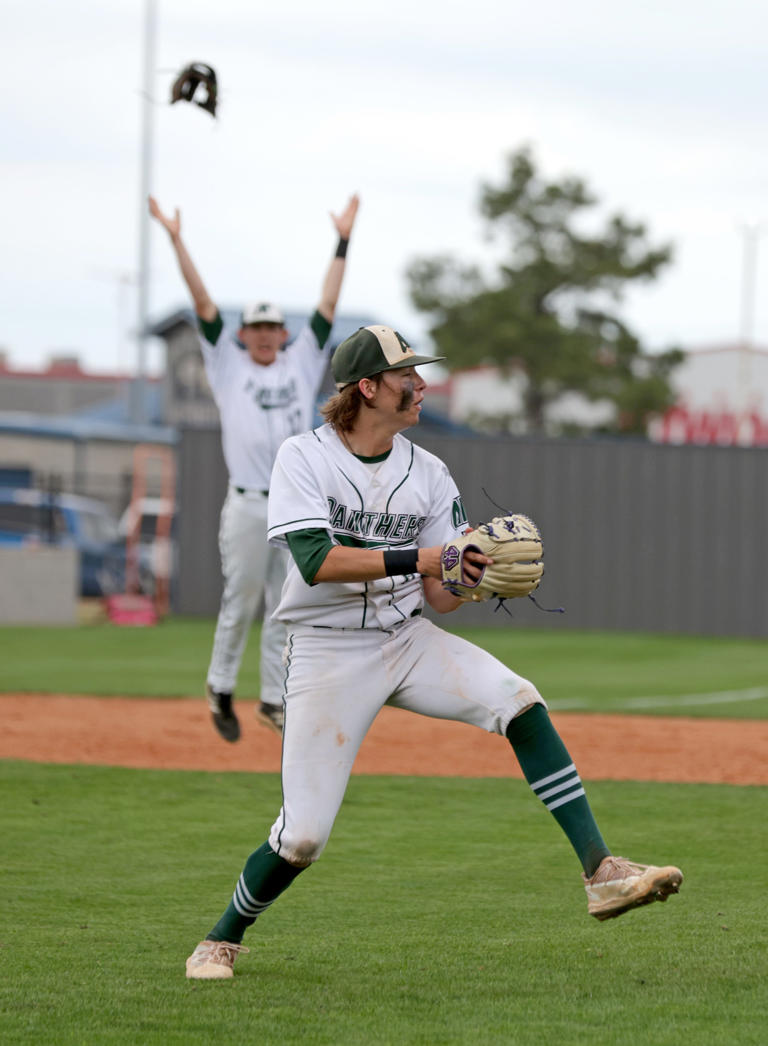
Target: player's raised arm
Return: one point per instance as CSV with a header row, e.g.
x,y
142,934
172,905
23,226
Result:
x,y
205,307
334,277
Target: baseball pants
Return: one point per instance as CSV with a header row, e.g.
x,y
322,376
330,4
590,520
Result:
x,y
337,680
253,570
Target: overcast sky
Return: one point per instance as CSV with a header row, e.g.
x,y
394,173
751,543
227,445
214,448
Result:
x,y
660,106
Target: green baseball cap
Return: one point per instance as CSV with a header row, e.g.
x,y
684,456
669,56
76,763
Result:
x,y
371,350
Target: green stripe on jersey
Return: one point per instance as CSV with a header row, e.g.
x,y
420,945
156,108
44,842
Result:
x,y
309,549
211,331
320,327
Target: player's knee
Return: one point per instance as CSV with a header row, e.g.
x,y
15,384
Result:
x,y
302,852
527,696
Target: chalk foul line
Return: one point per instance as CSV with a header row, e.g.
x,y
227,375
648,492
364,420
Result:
x,y
721,697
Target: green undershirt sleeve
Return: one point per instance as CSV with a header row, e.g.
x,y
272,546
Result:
x,y
211,330
321,328
309,549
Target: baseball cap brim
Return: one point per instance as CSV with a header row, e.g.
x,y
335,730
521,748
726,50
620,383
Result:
x,y
372,350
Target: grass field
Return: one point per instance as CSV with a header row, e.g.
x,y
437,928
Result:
x,y
444,911
461,922
577,671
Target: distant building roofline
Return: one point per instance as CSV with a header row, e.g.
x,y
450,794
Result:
x,y
70,370
726,346
83,428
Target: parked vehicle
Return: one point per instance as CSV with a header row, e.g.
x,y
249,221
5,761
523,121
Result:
x,y
30,516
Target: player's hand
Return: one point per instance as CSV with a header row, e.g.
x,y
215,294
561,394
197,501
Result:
x,y
171,225
474,563
437,595
344,221
429,563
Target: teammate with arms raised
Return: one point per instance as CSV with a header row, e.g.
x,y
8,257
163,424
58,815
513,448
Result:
x,y
366,515
264,395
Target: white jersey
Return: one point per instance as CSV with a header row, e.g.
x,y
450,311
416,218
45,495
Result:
x,y
261,406
409,500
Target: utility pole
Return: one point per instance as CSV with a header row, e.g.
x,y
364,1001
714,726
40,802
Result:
x,y
124,281
751,236
138,404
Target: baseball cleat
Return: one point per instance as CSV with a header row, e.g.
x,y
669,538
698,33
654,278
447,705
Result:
x,y
270,716
224,718
213,960
619,885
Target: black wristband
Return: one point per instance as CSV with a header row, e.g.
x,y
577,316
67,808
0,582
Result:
x,y
400,561
341,250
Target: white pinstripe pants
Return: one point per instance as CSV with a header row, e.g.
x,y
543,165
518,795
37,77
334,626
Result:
x,y
337,680
253,570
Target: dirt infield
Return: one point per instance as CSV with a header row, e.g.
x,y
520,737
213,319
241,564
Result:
x,y
178,735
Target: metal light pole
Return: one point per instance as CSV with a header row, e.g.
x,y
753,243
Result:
x,y
751,234
138,406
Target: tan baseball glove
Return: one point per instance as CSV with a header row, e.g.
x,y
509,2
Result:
x,y
514,544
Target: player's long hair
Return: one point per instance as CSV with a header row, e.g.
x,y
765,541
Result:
x,y
341,410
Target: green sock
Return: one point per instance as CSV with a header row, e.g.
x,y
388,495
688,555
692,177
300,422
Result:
x,y
263,879
550,772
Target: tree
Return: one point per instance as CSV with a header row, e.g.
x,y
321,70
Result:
x,y
549,312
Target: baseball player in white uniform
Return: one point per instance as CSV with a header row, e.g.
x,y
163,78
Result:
x,y
366,515
264,395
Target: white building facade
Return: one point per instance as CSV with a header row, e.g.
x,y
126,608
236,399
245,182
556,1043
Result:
x,y
722,399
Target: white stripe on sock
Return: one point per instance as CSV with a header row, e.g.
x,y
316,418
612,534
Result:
x,y
565,799
246,913
250,909
241,905
570,783
553,777
247,895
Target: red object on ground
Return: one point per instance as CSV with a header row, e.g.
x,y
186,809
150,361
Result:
x,y
131,609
